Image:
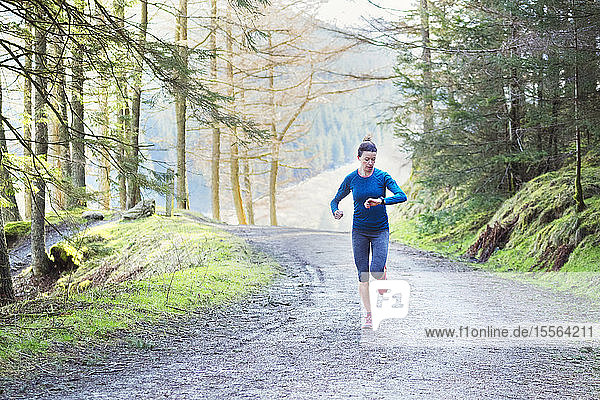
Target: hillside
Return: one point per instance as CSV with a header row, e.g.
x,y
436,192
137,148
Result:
x,y
306,204
537,230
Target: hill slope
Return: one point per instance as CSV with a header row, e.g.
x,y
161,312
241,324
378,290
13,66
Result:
x,y
306,204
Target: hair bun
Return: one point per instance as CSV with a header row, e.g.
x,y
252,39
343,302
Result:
x,y
367,137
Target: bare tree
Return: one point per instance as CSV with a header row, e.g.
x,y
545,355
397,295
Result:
x,y
7,294
180,109
39,258
246,168
297,60
234,162
274,72
216,132
133,190
9,208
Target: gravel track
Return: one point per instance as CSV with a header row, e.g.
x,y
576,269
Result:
x,y
300,338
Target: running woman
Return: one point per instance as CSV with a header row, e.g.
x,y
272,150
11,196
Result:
x,y
370,228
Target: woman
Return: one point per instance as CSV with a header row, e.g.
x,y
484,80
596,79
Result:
x,y
370,228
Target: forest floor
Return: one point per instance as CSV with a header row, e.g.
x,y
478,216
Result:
x,y
300,338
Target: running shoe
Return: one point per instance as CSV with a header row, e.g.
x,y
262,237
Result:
x,y
367,322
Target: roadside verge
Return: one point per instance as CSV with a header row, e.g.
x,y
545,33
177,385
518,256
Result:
x,y
124,276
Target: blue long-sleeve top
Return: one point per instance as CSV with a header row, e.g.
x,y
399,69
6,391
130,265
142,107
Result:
x,y
374,218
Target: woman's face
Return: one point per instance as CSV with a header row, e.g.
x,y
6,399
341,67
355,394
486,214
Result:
x,y
367,160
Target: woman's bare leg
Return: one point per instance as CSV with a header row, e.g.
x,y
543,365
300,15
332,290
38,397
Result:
x,y
363,290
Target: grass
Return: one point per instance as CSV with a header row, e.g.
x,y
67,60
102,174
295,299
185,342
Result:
x,y
550,244
134,273
447,225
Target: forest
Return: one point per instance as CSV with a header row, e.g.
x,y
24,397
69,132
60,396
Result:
x,y
505,95
107,103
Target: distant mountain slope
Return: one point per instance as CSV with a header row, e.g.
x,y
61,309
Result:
x,y
306,204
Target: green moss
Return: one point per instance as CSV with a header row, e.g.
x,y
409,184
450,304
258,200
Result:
x,y
546,227
16,230
515,256
71,216
586,257
546,220
446,222
66,257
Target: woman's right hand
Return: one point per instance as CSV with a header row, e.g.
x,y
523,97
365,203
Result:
x,y
338,214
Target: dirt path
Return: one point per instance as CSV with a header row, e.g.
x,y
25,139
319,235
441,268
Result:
x,y
300,339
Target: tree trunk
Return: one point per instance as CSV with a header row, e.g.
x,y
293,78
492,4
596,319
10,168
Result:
x,y
216,132
27,118
247,186
234,163
514,118
578,188
246,168
104,173
105,179
555,83
427,68
133,190
52,158
122,118
587,57
214,175
39,258
235,183
180,110
277,139
122,175
123,162
7,294
541,106
78,124
7,191
64,150
274,167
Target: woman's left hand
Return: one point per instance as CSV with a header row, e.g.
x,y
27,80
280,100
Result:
x,y
372,202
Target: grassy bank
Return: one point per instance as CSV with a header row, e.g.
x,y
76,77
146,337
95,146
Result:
x,y
445,222
128,274
536,234
72,217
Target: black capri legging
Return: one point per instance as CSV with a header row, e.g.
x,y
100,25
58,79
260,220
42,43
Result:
x,y
362,244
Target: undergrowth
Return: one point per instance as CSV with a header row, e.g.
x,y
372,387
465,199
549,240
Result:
x,y
445,222
534,232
